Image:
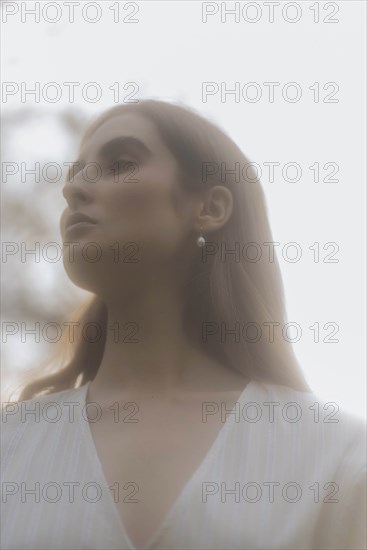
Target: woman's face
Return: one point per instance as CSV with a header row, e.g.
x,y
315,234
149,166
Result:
x,y
126,189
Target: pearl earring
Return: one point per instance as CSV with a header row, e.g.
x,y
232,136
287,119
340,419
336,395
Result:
x,y
201,241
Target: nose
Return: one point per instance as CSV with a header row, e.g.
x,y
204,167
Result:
x,y
76,191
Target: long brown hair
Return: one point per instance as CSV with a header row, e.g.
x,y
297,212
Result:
x,y
231,291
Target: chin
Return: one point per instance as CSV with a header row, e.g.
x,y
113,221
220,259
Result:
x,y
83,274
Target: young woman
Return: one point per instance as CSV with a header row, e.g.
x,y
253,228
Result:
x,y
180,417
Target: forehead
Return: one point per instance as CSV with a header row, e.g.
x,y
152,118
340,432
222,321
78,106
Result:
x,y
125,125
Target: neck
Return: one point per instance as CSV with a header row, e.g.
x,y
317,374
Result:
x,y
148,352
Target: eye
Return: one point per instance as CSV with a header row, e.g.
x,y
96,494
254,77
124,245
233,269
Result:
x,y
120,166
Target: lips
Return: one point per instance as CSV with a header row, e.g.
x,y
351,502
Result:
x,y
78,218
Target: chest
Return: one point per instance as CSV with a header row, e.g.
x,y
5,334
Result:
x,y
148,463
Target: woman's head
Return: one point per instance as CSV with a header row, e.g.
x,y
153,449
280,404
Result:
x,y
183,173
139,178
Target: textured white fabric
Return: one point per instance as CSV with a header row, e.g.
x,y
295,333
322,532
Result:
x,y
309,451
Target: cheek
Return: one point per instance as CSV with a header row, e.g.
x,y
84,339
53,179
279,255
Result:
x,y
144,213
149,199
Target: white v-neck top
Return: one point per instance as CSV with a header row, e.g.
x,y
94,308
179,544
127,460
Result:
x,y
286,471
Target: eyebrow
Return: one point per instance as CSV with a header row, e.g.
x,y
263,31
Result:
x,y
117,145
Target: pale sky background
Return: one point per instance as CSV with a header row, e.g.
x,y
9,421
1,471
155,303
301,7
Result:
x,y
169,53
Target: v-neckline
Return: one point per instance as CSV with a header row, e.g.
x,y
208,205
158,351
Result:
x,y
208,458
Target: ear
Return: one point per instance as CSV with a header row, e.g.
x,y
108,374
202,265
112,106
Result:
x,y
215,209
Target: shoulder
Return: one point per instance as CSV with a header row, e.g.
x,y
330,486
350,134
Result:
x,y
321,431
309,409
29,419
